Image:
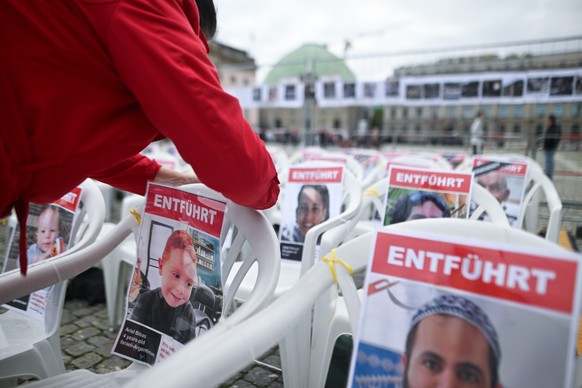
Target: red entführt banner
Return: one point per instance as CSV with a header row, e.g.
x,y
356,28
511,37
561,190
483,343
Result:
x,y
199,212
540,281
70,201
316,174
459,182
507,167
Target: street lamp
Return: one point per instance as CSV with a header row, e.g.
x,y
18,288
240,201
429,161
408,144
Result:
x,y
309,79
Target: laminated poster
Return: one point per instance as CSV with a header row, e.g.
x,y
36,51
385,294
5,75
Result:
x,y
415,193
312,196
505,179
49,231
493,314
175,292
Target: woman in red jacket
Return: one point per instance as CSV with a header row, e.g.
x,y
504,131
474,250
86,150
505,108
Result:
x,y
85,85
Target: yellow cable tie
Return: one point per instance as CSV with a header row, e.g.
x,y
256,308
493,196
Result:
x,y
332,262
137,216
372,192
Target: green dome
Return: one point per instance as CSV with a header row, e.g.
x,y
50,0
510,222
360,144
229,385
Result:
x,y
323,62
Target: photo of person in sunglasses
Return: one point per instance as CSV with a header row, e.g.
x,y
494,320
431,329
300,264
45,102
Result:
x,y
418,205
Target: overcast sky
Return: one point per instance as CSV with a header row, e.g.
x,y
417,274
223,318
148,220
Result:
x,y
269,29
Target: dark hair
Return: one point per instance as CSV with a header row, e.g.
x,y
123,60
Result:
x,y
207,12
323,192
552,119
403,206
410,339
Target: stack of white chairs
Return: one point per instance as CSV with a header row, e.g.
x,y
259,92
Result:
x,y
29,347
373,163
292,271
280,157
240,344
332,319
254,244
422,161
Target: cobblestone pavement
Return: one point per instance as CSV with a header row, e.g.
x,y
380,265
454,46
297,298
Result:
x,y
86,343
86,340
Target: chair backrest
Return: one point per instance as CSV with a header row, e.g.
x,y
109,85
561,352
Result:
x,y
538,184
373,163
420,160
59,268
327,303
487,204
251,239
486,234
374,199
351,202
253,242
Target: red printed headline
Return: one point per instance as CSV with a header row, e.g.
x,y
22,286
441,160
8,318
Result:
x,y
457,182
70,201
518,277
199,212
513,168
316,174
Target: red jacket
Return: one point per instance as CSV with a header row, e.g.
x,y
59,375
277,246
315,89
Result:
x,y
86,85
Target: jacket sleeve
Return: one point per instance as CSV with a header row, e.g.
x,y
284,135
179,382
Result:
x,y
161,54
131,175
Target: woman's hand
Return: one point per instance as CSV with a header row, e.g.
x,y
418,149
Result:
x,y
175,178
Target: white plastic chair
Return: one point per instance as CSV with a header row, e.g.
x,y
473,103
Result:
x,y
351,163
253,239
417,160
373,203
373,164
319,154
537,185
117,265
291,270
108,193
335,316
29,347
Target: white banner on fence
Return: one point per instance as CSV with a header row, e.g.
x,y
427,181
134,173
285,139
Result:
x,y
539,86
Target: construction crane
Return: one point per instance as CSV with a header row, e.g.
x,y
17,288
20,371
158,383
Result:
x,y
348,42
